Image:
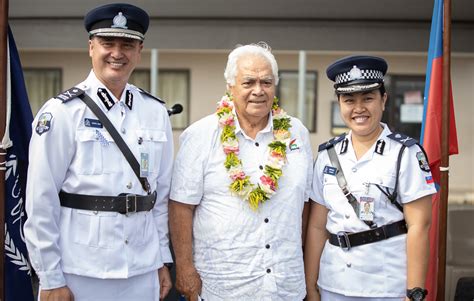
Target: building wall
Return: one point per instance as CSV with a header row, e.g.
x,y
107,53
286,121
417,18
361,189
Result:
x,y
207,85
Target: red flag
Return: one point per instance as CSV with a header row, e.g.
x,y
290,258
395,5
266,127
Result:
x,y
431,132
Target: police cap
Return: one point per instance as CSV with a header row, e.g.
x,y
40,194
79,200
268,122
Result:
x,y
117,20
357,73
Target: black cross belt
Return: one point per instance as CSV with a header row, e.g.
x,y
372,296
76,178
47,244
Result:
x,y
347,240
124,203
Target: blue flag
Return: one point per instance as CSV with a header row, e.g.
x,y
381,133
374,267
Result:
x,y
17,267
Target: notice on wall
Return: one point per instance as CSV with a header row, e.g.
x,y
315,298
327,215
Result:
x,y
412,97
411,113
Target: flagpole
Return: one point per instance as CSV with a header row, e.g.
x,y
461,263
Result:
x,y
444,167
3,98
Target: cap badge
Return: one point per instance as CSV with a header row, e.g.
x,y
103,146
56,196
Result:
x,y
355,73
120,21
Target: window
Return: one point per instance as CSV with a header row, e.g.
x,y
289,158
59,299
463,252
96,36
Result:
x,y
42,84
173,87
404,107
287,91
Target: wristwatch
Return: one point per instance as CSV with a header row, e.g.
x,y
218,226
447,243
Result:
x,y
169,265
417,293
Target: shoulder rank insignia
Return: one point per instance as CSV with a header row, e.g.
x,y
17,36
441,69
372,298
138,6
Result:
x,y
69,94
149,95
403,139
331,142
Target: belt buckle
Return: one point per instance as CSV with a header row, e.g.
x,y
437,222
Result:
x,y
340,235
130,201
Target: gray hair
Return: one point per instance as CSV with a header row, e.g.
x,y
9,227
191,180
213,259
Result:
x,y
261,48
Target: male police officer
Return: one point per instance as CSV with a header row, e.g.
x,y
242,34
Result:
x,y
98,226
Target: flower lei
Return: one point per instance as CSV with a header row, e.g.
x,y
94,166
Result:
x,y
258,193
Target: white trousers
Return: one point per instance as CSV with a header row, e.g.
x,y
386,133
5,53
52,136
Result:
x,y
144,287
330,296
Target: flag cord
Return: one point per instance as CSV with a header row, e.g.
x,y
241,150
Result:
x,y
443,168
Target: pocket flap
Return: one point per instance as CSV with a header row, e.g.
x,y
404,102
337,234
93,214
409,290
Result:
x,y
386,180
152,135
94,135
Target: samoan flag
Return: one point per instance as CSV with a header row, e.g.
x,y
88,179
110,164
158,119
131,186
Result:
x,y
431,132
17,267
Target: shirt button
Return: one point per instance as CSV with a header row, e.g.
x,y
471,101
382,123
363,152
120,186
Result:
x,y
347,216
261,167
126,241
354,169
266,220
256,144
269,271
348,264
123,130
267,246
129,185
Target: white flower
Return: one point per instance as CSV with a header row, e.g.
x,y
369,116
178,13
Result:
x,y
275,162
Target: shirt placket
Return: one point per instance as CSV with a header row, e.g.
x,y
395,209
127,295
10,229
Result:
x,y
269,281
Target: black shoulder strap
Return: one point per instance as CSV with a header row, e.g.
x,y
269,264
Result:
x,y
331,143
403,139
150,95
117,138
69,94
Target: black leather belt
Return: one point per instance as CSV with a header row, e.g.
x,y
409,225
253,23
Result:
x,y
124,203
347,240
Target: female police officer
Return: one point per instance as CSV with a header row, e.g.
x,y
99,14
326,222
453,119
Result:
x,y
368,229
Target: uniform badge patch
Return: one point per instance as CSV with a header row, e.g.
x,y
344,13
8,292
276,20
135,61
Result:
x,y
293,145
329,170
422,161
44,123
429,180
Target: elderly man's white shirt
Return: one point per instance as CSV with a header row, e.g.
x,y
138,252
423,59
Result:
x,y
239,253
75,158
376,269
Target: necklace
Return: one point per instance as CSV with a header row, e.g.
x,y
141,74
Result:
x,y
254,194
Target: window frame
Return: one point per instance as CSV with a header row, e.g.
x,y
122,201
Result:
x,y
314,123
187,73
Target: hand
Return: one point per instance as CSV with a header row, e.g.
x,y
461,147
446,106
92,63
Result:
x,y
188,282
165,282
57,294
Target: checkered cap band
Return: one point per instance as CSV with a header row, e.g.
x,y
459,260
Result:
x,y
365,74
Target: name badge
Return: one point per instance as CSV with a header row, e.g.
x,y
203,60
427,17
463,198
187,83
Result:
x,y
93,123
329,170
366,209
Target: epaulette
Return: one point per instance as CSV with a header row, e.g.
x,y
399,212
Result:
x,y
403,139
149,95
69,94
331,142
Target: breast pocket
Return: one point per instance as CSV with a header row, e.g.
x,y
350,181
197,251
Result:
x,y
331,190
380,186
153,142
97,152
89,153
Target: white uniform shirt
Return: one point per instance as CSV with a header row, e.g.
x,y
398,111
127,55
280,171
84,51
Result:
x,y
81,157
376,269
239,253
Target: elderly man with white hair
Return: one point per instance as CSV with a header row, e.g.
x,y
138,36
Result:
x,y
241,180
